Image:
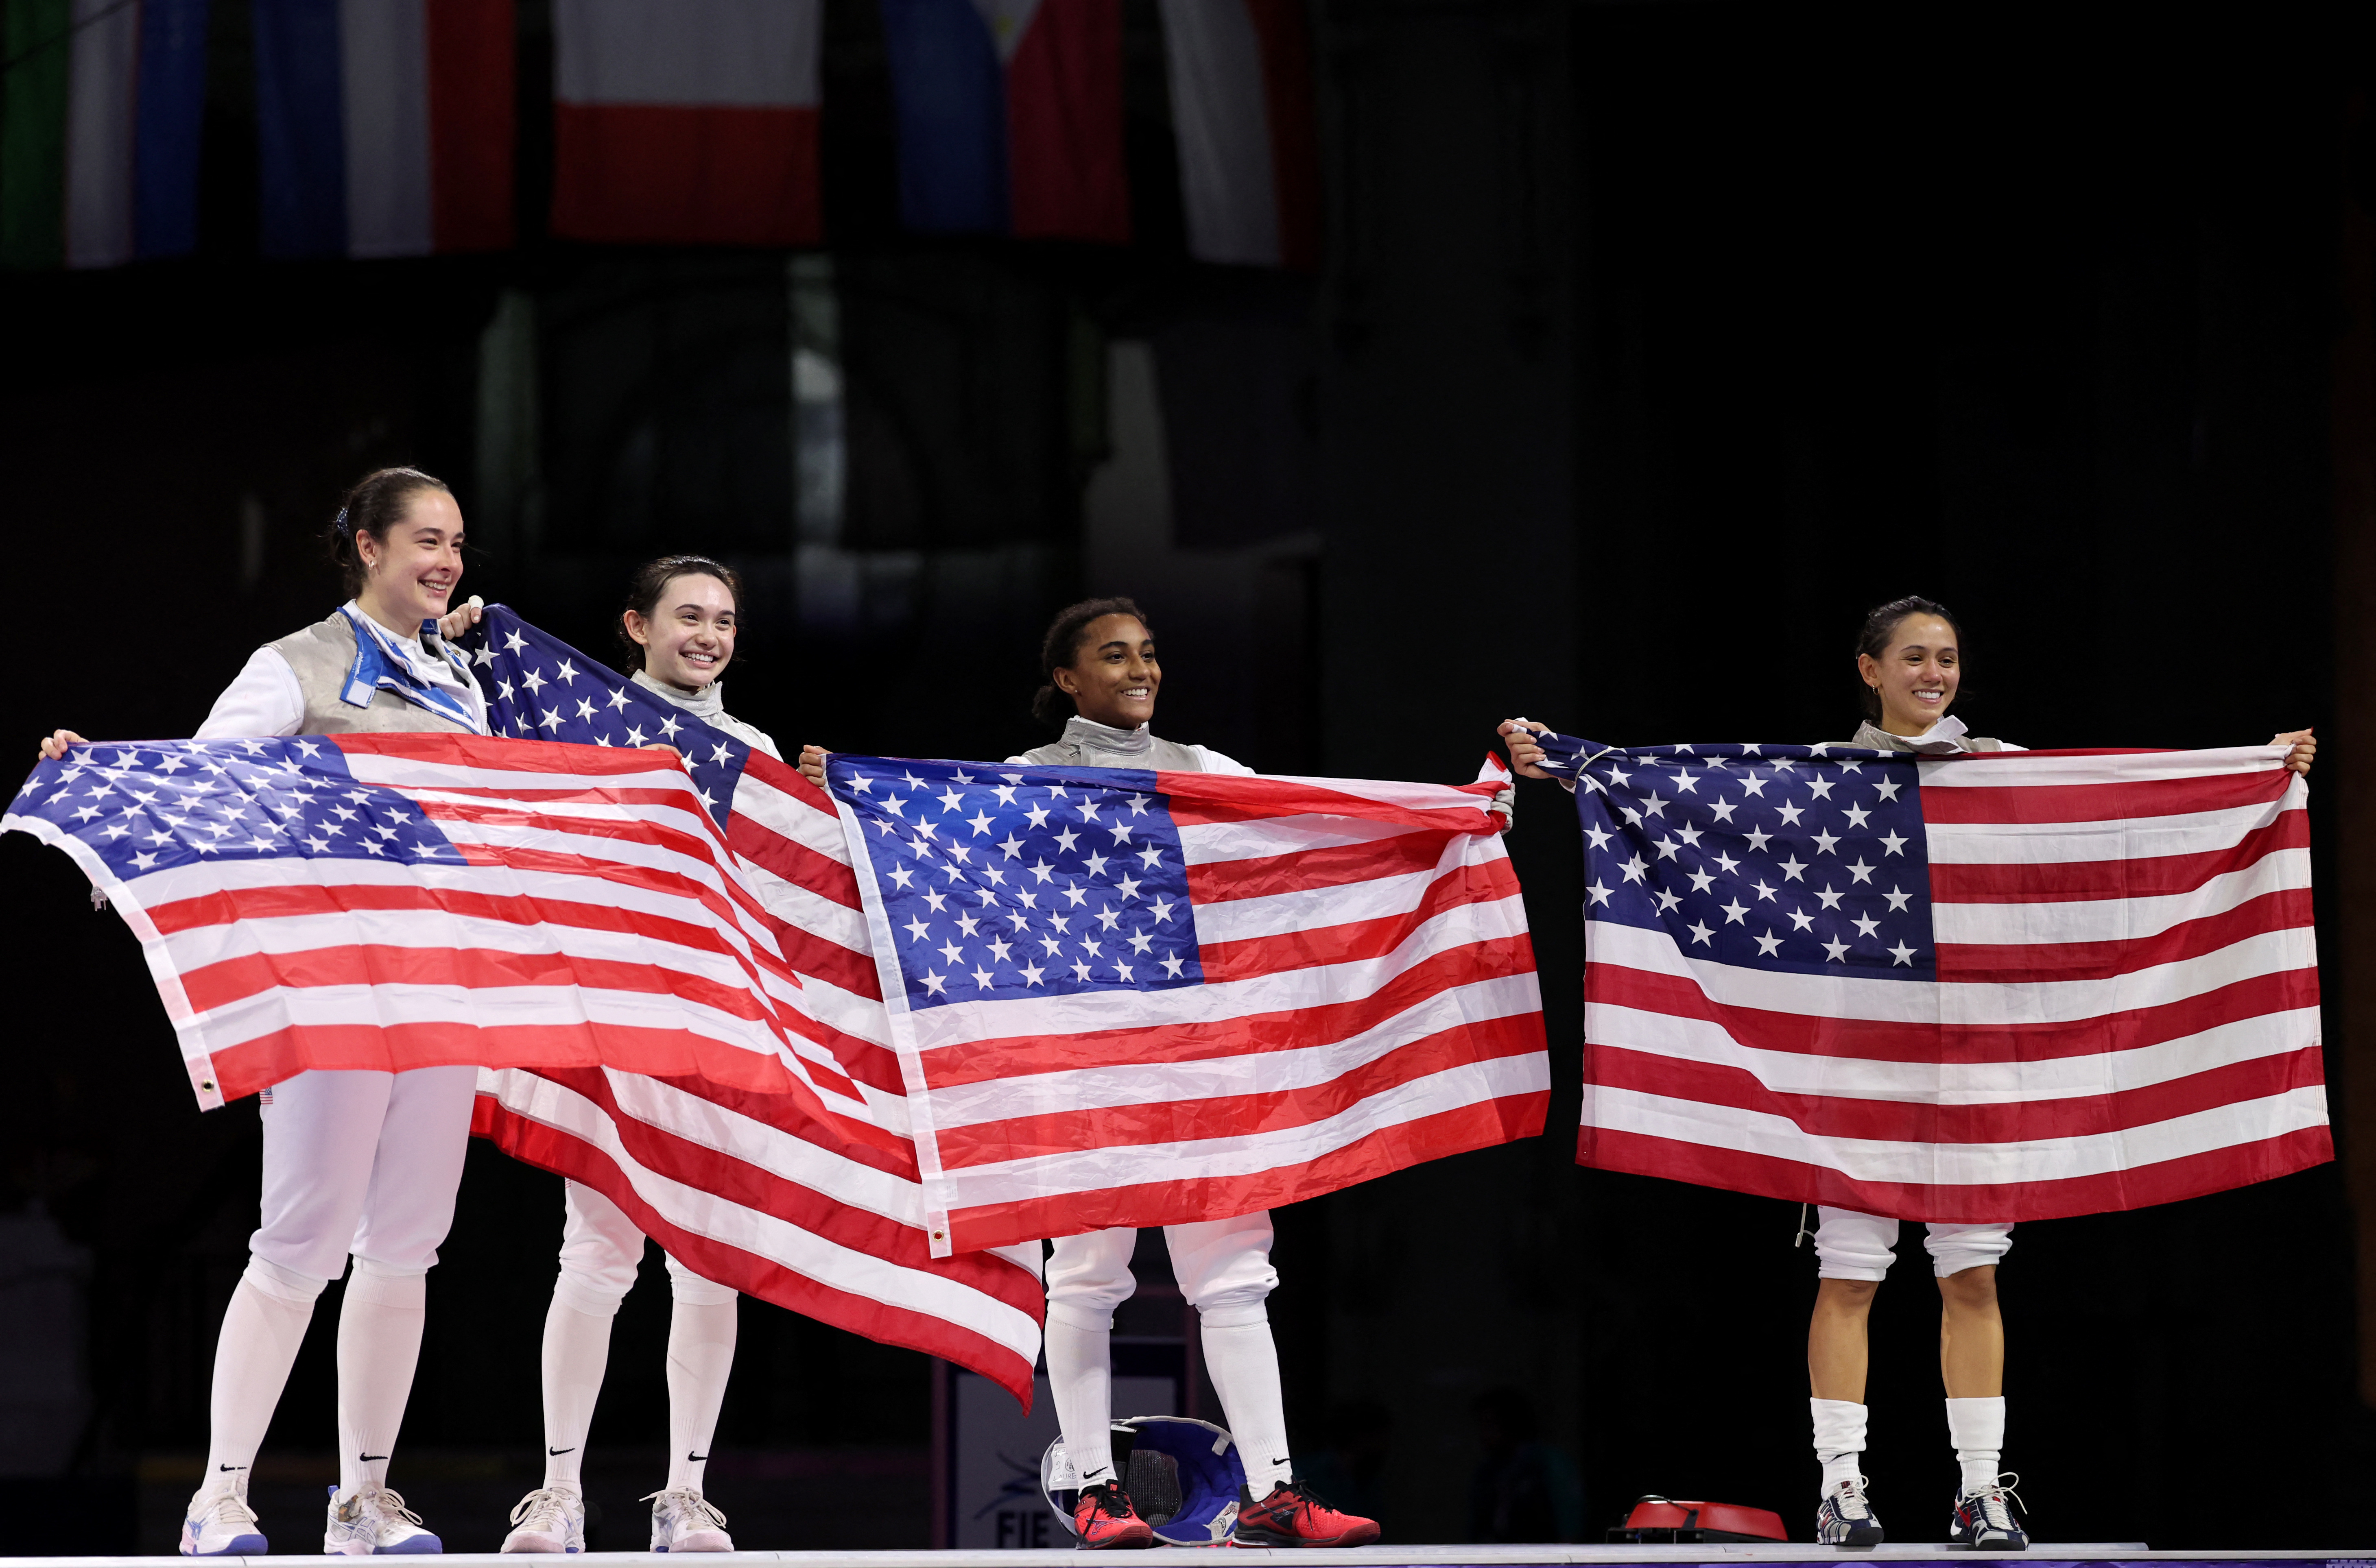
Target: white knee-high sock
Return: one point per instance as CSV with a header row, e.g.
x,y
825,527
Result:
x,y
261,1332
1839,1440
577,1353
1080,1378
379,1344
700,1358
1976,1427
1243,1360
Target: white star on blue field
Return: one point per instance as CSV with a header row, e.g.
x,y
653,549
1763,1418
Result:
x,y
1024,881
1803,859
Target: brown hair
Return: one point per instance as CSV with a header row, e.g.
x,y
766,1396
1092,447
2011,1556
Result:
x,y
1050,705
1880,624
374,506
651,581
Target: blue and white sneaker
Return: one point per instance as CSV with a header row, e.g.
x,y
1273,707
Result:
x,y
1845,1518
220,1523
1986,1520
684,1520
368,1524
548,1519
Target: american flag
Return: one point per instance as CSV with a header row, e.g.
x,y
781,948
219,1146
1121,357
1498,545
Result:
x,y
651,999
1994,986
1138,998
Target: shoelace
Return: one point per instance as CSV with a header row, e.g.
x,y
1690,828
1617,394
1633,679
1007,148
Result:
x,y
1112,1502
1991,1499
230,1508
689,1502
1302,1493
1849,1500
543,1504
392,1503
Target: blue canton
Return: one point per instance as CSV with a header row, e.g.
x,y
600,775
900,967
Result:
x,y
538,688
1804,859
145,805
1007,882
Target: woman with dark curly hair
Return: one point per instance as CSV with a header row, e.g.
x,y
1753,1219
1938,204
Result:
x,y
1099,681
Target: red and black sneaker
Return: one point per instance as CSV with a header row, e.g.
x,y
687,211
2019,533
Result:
x,y
1103,1517
1294,1516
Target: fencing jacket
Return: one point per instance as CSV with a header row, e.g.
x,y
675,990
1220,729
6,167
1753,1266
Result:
x,y
347,672
1087,743
1945,736
709,705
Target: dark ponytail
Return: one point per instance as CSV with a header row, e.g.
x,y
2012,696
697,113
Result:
x,y
1062,645
1880,624
372,506
651,581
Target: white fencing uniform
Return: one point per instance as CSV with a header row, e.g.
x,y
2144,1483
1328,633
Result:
x,y
1223,1266
362,1164
600,1251
1853,1245
1850,1245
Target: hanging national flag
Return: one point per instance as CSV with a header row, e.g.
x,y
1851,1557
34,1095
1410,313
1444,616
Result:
x,y
100,117
1010,117
1242,115
1123,997
384,127
1996,986
687,122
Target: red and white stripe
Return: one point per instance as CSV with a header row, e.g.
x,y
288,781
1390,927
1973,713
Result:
x,y
2126,1011
634,992
688,122
1369,1002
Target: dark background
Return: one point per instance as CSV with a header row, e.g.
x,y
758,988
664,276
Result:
x,y
1655,343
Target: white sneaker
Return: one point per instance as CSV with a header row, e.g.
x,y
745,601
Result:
x,y
684,1520
364,1523
550,1519
220,1523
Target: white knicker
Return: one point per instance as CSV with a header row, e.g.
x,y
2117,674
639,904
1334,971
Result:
x,y
601,1248
1861,1246
1223,1266
362,1163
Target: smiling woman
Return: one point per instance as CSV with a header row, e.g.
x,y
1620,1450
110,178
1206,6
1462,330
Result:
x,y
1909,657
678,627
361,1162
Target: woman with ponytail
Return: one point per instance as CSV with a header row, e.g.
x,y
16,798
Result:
x,y
1910,660
360,1163
677,630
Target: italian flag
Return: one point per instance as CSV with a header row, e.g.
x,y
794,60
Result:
x,y
98,130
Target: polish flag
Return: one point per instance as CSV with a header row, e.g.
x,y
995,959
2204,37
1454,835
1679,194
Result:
x,y
687,122
1241,77
1010,117
384,127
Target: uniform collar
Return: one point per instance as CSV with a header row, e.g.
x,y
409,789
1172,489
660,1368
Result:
x,y
1088,735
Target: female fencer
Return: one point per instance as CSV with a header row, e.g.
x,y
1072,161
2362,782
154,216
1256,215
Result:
x,y
355,1164
1910,659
